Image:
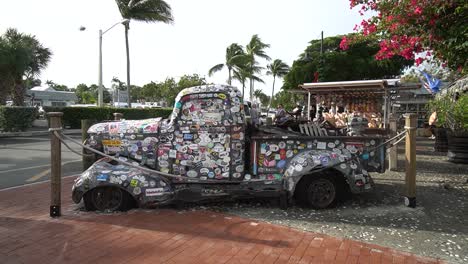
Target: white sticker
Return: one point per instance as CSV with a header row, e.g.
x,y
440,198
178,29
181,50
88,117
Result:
x,y
289,153
282,145
240,168
192,174
353,166
274,147
137,190
372,142
152,183
343,166
154,191
298,167
172,153
321,145
331,145
123,177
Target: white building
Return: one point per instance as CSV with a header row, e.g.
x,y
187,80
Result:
x,y
47,96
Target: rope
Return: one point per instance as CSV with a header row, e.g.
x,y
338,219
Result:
x,y
173,176
180,178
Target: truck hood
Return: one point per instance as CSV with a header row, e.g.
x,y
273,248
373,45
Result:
x,y
117,128
134,139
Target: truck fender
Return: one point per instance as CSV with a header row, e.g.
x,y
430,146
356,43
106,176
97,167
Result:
x,y
144,188
304,164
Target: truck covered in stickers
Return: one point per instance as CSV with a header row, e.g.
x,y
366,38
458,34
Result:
x,y
206,150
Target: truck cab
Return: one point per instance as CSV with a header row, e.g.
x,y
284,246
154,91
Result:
x,y
206,150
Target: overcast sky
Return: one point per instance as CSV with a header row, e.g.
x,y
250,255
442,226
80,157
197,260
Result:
x,y
193,44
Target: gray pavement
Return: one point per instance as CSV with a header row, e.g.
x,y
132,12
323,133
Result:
x,y
26,159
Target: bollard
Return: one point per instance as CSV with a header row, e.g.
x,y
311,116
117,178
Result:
x,y
410,155
55,163
117,116
88,158
393,155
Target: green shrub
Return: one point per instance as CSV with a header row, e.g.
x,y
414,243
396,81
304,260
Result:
x,y
72,115
16,118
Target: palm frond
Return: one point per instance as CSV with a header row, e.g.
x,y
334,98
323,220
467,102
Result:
x,y
215,69
146,10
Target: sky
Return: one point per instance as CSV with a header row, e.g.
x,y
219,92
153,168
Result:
x,y
195,42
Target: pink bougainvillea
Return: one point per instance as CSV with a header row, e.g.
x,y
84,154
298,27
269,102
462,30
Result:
x,y
409,27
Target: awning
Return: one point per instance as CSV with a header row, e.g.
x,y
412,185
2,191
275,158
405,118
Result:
x,y
373,86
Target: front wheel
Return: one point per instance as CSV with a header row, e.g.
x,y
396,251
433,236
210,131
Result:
x,y
318,192
107,198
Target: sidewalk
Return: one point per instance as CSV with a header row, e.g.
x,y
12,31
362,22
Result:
x,y
29,235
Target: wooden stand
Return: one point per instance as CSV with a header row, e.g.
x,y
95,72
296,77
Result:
x,y
55,164
410,155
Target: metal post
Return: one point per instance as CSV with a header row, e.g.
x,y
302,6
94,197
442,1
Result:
x,y
410,155
100,71
393,155
88,158
55,164
117,116
308,107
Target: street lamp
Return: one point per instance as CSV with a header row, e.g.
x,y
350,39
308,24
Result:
x,y
100,86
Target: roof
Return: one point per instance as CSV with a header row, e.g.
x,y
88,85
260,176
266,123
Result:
x,y
52,95
43,88
374,86
210,88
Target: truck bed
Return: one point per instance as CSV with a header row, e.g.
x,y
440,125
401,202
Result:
x,y
272,148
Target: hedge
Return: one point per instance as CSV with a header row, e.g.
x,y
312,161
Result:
x,y
72,115
16,118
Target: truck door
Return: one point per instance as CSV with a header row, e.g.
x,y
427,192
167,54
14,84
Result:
x,y
205,133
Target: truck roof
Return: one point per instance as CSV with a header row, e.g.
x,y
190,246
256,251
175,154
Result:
x,y
210,88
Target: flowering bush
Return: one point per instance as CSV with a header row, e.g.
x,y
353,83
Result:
x,y
437,28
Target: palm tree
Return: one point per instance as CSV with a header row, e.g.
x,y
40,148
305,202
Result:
x,y
278,69
149,11
242,72
255,48
22,56
233,57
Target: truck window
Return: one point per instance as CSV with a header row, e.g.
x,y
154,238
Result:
x,y
205,111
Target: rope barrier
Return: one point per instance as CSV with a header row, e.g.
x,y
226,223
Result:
x,y
181,178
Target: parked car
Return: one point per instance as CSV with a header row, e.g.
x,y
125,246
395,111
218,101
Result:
x,y
203,151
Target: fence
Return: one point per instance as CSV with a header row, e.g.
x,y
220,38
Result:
x,y
58,138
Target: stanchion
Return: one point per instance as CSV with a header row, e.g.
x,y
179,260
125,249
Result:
x,y
87,158
393,155
55,164
117,116
410,155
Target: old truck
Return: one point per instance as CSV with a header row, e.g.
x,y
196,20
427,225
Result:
x,y
207,150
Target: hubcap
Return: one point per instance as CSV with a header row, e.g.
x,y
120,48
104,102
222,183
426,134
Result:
x,y
321,193
107,198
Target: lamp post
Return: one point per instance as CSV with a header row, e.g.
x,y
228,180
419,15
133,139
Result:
x,y
100,86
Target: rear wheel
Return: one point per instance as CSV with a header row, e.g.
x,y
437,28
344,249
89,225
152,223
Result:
x,y
318,192
107,198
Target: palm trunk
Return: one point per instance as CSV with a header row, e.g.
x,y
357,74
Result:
x,y
128,66
272,93
230,77
243,90
18,94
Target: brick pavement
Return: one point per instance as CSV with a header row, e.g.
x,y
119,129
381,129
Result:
x,y
29,235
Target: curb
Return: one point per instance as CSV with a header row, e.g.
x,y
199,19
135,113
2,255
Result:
x,y
38,133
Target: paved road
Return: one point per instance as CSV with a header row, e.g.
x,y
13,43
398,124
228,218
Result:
x,y
26,160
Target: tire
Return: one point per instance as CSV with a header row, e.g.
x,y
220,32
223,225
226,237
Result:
x,y
108,199
319,192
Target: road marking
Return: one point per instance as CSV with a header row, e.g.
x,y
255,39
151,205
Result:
x,y
46,172
35,167
34,183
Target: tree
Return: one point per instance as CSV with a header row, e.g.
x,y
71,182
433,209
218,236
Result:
x,y
57,87
255,48
152,91
262,97
437,27
278,69
22,56
149,11
233,56
355,63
